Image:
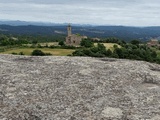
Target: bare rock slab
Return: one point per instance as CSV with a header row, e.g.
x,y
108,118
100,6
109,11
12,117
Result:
x,y
78,88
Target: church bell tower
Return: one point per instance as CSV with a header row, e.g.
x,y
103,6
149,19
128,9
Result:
x,y
69,30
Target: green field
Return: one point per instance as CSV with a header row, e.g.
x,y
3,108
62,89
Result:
x,y
55,52
108,45
28,51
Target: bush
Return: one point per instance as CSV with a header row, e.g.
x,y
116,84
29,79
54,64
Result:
x,y
86,43
21,53
33,46
39,46
109,52
13,53
48,54
38,53
61,43
34,42
46,45
112,40
53,46
135,42
68,47
78,53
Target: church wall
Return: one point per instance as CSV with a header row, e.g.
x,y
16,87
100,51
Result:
x,y
73,40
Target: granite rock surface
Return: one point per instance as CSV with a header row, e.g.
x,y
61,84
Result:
x,y
78,88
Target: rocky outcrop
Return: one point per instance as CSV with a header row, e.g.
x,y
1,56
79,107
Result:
x,y
78,88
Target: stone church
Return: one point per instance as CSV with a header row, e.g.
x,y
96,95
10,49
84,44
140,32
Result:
x,y
73,39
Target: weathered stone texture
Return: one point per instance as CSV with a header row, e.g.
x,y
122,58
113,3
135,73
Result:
x,y
78,88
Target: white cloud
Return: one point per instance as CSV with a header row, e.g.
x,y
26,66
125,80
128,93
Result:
x,y
106,12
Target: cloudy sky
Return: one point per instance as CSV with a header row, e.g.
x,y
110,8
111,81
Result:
x,y
101,12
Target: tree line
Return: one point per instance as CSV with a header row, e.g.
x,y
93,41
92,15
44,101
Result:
x,y
133,50
6,40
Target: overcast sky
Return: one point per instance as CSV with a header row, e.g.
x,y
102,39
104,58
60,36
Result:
x,y
101,12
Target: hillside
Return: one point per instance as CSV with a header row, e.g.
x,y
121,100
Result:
x,y
122,32
76,88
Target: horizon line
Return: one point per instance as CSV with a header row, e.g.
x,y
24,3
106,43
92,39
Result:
x,y
65,23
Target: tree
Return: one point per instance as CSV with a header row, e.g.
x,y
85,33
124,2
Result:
x,y
21,53
109,52
46,45
119,52
61,43
78,53
86,43
34,42
154,54
135,42
112,40
115,46
5,43
39,46
101,47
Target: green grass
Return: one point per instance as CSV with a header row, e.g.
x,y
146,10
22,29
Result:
x,y
158,52
28,51
109,45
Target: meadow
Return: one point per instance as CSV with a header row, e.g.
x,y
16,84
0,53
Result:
x,y
28,51
109,45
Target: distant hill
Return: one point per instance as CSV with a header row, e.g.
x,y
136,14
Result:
x,y
122,32
21,23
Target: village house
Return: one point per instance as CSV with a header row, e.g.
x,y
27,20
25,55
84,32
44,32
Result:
x,y
153,43
73,39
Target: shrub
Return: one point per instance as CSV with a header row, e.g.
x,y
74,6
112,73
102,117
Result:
x,y
68,47
135,42
61,43
13,53
48,54
38,53
78,53
21,53
86,43
39,46
108,52
46,45
33,46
